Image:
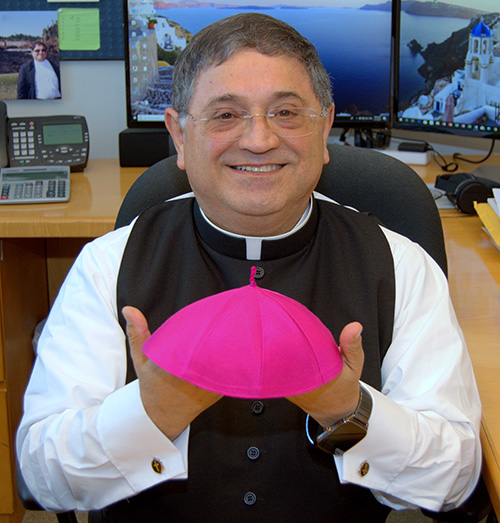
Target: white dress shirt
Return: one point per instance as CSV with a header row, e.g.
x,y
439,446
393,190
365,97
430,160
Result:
x,y
85,440
46,81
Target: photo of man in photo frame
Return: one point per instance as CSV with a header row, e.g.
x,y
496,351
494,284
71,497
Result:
x,y
29,55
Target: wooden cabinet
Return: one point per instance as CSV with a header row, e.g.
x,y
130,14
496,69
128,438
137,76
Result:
x,y
23,303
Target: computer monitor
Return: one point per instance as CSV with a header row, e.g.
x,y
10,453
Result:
x,y
354,40
449,68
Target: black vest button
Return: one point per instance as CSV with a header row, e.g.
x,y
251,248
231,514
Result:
x,y
259,273
253,452
257,407
249,498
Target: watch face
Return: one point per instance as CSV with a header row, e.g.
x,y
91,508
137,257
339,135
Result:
x,y
344,437
346,433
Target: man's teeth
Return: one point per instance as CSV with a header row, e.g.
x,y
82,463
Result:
x,y
258,169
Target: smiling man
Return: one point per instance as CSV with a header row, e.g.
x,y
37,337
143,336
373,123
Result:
x,y
398,427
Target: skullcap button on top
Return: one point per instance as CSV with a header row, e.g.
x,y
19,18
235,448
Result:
x,y
247,342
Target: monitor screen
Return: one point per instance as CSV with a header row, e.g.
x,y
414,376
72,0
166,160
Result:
x,y
354,39
449,67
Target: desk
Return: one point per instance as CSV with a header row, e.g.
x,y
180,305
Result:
x,y
39,242
474,277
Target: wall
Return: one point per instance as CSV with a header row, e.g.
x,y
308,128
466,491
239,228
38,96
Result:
x,y
96,89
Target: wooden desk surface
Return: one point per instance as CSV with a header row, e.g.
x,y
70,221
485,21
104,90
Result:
x,y
474,277
96,195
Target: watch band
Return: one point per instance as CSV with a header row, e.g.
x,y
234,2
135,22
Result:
x,y
343,434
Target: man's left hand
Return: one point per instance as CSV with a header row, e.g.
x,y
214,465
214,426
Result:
x,y
339,397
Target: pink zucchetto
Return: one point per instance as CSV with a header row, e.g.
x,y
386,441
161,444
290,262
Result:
x,y
247,343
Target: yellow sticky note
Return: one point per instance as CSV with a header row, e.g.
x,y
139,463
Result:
x,y
78,29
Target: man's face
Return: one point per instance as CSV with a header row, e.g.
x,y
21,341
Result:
x,y
39,53
260,184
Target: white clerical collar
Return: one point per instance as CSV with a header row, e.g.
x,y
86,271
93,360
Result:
x,y
254,243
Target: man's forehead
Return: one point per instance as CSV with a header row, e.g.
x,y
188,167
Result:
x,y
212,82
244,53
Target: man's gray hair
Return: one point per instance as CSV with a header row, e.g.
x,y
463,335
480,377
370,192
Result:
x,y
216,43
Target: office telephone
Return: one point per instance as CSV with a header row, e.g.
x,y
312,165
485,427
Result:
x,y
43,141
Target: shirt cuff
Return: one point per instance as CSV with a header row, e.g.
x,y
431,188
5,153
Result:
x,y
134,444
384,452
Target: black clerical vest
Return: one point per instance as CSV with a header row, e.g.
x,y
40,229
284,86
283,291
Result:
x,y
249,460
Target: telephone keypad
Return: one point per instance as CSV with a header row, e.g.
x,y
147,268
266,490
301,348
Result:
x,y
23,143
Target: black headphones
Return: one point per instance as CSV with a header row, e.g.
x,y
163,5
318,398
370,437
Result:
x,y
463,189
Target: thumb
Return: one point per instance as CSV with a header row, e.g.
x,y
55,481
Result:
x,y
137,332
351,346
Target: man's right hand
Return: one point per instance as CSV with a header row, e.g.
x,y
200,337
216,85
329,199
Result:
x,y
170,402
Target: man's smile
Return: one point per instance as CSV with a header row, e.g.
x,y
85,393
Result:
x,y
258,168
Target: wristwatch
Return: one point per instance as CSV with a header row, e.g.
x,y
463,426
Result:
x,y
343,434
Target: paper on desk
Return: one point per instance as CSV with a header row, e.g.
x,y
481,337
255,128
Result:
x,y
495,201
491,221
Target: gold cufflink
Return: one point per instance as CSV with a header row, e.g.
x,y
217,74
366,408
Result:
x,y
364,468
157,465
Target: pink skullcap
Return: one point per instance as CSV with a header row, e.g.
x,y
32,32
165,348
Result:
x,y
247,343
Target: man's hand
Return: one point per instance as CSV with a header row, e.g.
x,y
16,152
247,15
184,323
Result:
x,y
170,402
339,397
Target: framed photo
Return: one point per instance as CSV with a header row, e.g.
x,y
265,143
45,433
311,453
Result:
x,y
29,55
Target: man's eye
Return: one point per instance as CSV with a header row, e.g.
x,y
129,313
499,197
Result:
x,y
225,116
285,113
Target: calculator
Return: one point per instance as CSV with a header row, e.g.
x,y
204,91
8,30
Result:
x,y
34,184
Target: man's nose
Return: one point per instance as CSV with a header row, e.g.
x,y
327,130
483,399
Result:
x,y
258,135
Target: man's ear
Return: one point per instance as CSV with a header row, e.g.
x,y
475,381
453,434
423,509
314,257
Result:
x,y
177,134
326,132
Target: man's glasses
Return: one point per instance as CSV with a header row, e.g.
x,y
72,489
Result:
x,y
228,126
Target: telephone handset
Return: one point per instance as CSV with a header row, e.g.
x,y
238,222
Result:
x,y
44,141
